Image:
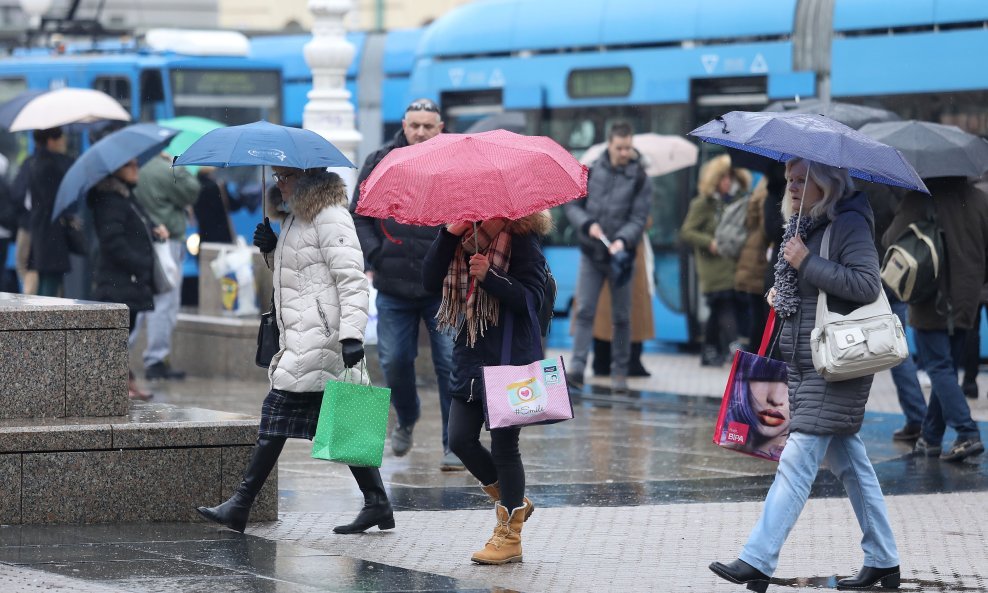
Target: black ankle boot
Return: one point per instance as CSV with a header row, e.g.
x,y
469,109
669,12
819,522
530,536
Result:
x,y
742,573
868,577
377,507
234,512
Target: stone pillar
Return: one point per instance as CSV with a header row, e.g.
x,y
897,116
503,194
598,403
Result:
x,y
329,111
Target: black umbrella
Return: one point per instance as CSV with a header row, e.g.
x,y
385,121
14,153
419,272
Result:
x,y
849,114
934,150
511,121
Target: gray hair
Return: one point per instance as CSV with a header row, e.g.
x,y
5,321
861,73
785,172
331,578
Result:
x,y
834,182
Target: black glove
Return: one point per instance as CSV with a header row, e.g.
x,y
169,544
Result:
x,y
264,237
353,352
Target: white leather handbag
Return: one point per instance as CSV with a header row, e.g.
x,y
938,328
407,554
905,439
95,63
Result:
x,y
863,342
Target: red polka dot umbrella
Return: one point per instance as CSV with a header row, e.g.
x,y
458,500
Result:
x,y
472,177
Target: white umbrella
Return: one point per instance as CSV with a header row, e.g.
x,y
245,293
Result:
x,y
660,154
67,106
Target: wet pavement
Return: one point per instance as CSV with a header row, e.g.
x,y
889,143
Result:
x,y
631,496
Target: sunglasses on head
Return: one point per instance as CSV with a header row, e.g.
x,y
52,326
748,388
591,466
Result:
x,y
423,106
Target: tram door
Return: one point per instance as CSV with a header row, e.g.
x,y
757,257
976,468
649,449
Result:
x,y
710,98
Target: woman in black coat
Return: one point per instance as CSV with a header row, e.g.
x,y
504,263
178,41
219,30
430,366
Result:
x,y
125,267
484,277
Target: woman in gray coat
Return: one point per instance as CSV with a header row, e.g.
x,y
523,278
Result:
x,y
825,417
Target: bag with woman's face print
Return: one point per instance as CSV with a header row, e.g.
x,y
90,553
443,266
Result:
x,y
754,414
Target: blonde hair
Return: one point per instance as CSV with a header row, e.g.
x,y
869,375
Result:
x,y
714,170
835,184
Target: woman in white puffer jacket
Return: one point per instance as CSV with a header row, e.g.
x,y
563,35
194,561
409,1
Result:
x,y
321,299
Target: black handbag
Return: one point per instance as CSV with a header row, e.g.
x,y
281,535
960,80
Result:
x,y
75,235
267,339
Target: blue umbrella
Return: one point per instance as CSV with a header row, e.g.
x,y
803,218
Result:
x,y
138,141
263,143
783,136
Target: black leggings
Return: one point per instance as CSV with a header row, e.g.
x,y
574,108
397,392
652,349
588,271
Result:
x,y
501,464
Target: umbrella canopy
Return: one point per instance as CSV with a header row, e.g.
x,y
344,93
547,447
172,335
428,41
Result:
x,y
935,150
60,107
139,141
782,136
511,121
190,128
263,143
474,177
660,154
849,114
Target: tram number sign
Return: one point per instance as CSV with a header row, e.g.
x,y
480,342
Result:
x,y
599,82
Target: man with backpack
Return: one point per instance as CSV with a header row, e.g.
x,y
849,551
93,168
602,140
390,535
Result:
x,y
942,247
609,222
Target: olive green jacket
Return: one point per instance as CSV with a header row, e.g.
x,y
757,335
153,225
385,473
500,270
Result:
x,y
166,193
716,272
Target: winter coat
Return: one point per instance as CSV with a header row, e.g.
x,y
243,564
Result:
x,y
526,276
211,212
850,278
125,263
49,239
716,272
962,213
166,193
394,251
749,275
642,319
320,290
613,202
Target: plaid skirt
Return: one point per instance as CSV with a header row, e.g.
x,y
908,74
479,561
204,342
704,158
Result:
x,y
290,415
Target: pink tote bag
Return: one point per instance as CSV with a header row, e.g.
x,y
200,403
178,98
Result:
x,y
534,393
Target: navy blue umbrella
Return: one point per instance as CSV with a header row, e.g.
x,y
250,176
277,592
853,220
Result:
x,y
263,143
138,141
783,136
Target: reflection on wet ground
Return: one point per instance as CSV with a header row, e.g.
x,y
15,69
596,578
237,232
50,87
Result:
x,y
646,449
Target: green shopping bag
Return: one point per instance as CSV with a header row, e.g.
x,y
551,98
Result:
x,y
353,422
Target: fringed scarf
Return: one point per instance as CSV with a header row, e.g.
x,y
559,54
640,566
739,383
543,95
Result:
x,y
787,299
465,303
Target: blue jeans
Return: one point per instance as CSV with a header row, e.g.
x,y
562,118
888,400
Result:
x,y
941,354
397,346
907,387
798,466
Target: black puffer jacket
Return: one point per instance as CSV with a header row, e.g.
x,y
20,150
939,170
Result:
x,y
49,239
126,261
394,252
526,275
616,199
850,278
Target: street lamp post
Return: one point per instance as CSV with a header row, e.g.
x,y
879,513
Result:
x,y
329,112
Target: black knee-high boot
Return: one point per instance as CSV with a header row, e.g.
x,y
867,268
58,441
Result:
x,y
377,507
234,512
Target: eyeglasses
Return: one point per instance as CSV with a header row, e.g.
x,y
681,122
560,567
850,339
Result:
x,y
423,106
282,177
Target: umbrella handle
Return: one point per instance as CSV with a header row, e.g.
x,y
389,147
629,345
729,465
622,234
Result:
x,y
476,239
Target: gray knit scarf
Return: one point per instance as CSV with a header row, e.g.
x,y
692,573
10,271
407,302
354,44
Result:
x,y
786,280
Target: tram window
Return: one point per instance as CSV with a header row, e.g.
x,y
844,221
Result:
x,y
117,87
152,96
230,96
11,87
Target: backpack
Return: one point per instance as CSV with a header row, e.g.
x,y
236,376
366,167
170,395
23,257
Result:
x,y
548,303
913,264
731,231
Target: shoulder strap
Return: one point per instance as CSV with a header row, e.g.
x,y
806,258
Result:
x,y
509,327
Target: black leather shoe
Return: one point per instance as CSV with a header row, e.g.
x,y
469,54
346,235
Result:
x,y
909,432
162,370
868,577
742,573
377,507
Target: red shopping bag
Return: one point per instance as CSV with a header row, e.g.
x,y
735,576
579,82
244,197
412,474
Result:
x,y
754,414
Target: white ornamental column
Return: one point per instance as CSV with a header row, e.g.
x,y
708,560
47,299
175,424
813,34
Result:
x,y
329,111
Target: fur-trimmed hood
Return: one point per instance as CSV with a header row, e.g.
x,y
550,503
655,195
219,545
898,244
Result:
x,y
316,191
539,223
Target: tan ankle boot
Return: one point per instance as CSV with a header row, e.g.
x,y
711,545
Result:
x,y
494,491
505,545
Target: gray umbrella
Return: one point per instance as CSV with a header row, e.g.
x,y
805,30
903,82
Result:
x,y
849,114
511,121
934,150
